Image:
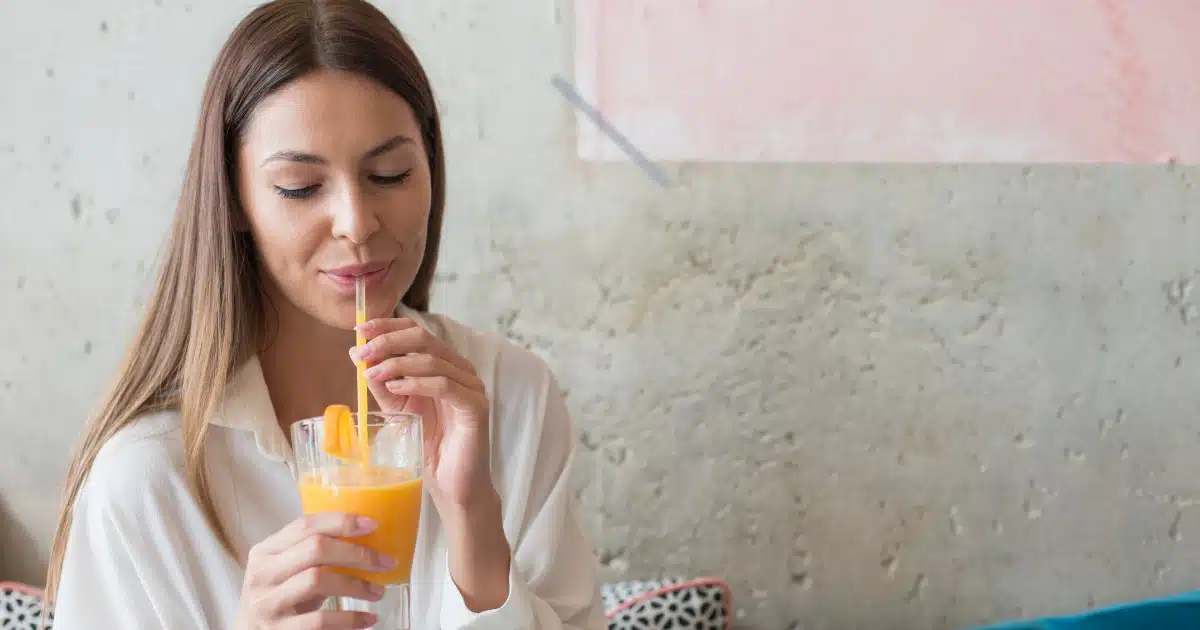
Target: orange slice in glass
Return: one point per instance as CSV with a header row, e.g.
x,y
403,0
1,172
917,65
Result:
x,y
341,434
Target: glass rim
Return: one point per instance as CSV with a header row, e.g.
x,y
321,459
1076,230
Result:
x,y
374,419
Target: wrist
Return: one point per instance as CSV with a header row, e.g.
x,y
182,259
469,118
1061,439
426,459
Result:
x,y
481,504
478,555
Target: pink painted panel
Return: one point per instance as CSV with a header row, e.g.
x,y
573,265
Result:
x,y
892,80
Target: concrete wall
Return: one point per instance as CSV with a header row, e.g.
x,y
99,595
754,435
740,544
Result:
x,y
882,397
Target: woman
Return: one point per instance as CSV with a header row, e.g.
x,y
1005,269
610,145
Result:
x,y
317,158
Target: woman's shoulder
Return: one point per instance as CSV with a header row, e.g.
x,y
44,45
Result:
x,y
141,461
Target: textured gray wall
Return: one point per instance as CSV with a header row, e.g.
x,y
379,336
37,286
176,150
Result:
x,y
884,397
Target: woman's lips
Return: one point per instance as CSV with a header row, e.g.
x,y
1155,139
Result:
x,y
344,278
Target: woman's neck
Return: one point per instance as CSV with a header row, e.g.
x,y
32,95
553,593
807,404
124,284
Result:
x,y
306,367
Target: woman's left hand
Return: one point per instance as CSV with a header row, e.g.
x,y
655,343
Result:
x,y
414,371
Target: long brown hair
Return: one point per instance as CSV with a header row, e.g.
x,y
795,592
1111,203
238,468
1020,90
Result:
x,y
206,314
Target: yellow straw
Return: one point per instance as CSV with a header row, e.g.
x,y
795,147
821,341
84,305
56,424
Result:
x,y
360,317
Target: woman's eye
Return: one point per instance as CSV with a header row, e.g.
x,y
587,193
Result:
x,y
388,180
296,193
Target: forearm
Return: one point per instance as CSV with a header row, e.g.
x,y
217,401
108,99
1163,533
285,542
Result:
x,y
479,554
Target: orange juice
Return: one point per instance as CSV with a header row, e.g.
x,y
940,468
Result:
x,y
390,496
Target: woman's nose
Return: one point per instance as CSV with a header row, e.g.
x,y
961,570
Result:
x,y
354,216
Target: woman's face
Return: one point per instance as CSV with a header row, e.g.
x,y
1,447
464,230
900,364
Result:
x,y
334,182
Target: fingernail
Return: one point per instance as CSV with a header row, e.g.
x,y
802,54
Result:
x,y
396,385
374,589
384,561
354,352
369,620
364,525
371,372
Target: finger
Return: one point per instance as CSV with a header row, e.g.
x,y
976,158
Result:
x,y
388,402
322,550
376,327
407,341
439,388
319,583
326,523
327,620
421,364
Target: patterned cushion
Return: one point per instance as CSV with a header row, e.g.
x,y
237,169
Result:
x,y
21,607
676,603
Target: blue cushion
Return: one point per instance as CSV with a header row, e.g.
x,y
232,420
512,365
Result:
x,y
1178,612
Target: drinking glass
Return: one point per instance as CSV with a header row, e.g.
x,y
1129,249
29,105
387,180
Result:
x,y
385,486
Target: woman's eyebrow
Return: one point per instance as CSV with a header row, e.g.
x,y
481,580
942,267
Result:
x,y
292,155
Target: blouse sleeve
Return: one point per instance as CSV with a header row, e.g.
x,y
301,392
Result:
x,y
138,551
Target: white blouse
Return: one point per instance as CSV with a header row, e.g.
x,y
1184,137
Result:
x,y
140,554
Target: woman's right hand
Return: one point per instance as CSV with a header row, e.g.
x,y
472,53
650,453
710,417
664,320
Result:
x,y
285,584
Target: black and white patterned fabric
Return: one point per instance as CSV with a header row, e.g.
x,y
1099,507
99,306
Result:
x,y
21,609
668,604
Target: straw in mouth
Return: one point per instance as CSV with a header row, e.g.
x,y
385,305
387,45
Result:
x,y
360,318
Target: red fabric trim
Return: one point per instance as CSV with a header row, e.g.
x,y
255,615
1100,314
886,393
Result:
x,y
698,582
25,588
